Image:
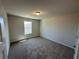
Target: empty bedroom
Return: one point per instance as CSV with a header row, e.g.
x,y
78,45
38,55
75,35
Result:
x,y
43,29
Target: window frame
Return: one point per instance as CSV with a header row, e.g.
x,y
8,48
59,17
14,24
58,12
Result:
x,y
25,28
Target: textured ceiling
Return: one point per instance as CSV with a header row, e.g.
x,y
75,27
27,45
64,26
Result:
x,y
48,8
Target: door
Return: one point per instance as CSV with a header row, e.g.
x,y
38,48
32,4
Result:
x,y
1,44
78,43
4,39
5,32
76,55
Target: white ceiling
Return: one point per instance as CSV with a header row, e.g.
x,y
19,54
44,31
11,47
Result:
x,y
48,8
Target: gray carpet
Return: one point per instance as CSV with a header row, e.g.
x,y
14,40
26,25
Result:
x,y
39,48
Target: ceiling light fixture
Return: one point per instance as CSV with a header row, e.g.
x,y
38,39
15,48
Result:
x,y
37,13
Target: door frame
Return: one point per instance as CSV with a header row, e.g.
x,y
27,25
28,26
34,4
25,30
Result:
x,y
77,44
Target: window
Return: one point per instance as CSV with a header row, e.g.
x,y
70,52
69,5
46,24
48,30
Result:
x,y
27,27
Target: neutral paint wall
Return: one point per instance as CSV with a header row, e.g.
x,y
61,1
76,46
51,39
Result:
x,y
4,27
62,29
16,27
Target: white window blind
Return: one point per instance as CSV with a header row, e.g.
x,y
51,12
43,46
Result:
x,y
27,27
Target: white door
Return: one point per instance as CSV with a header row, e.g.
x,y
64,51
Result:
x,y
5,33
78,43
1,44
76,56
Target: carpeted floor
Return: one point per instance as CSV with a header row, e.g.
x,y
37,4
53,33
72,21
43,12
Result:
x,y
39,48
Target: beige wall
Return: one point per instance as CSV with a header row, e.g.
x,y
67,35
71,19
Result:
x,y
16,27
62,29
